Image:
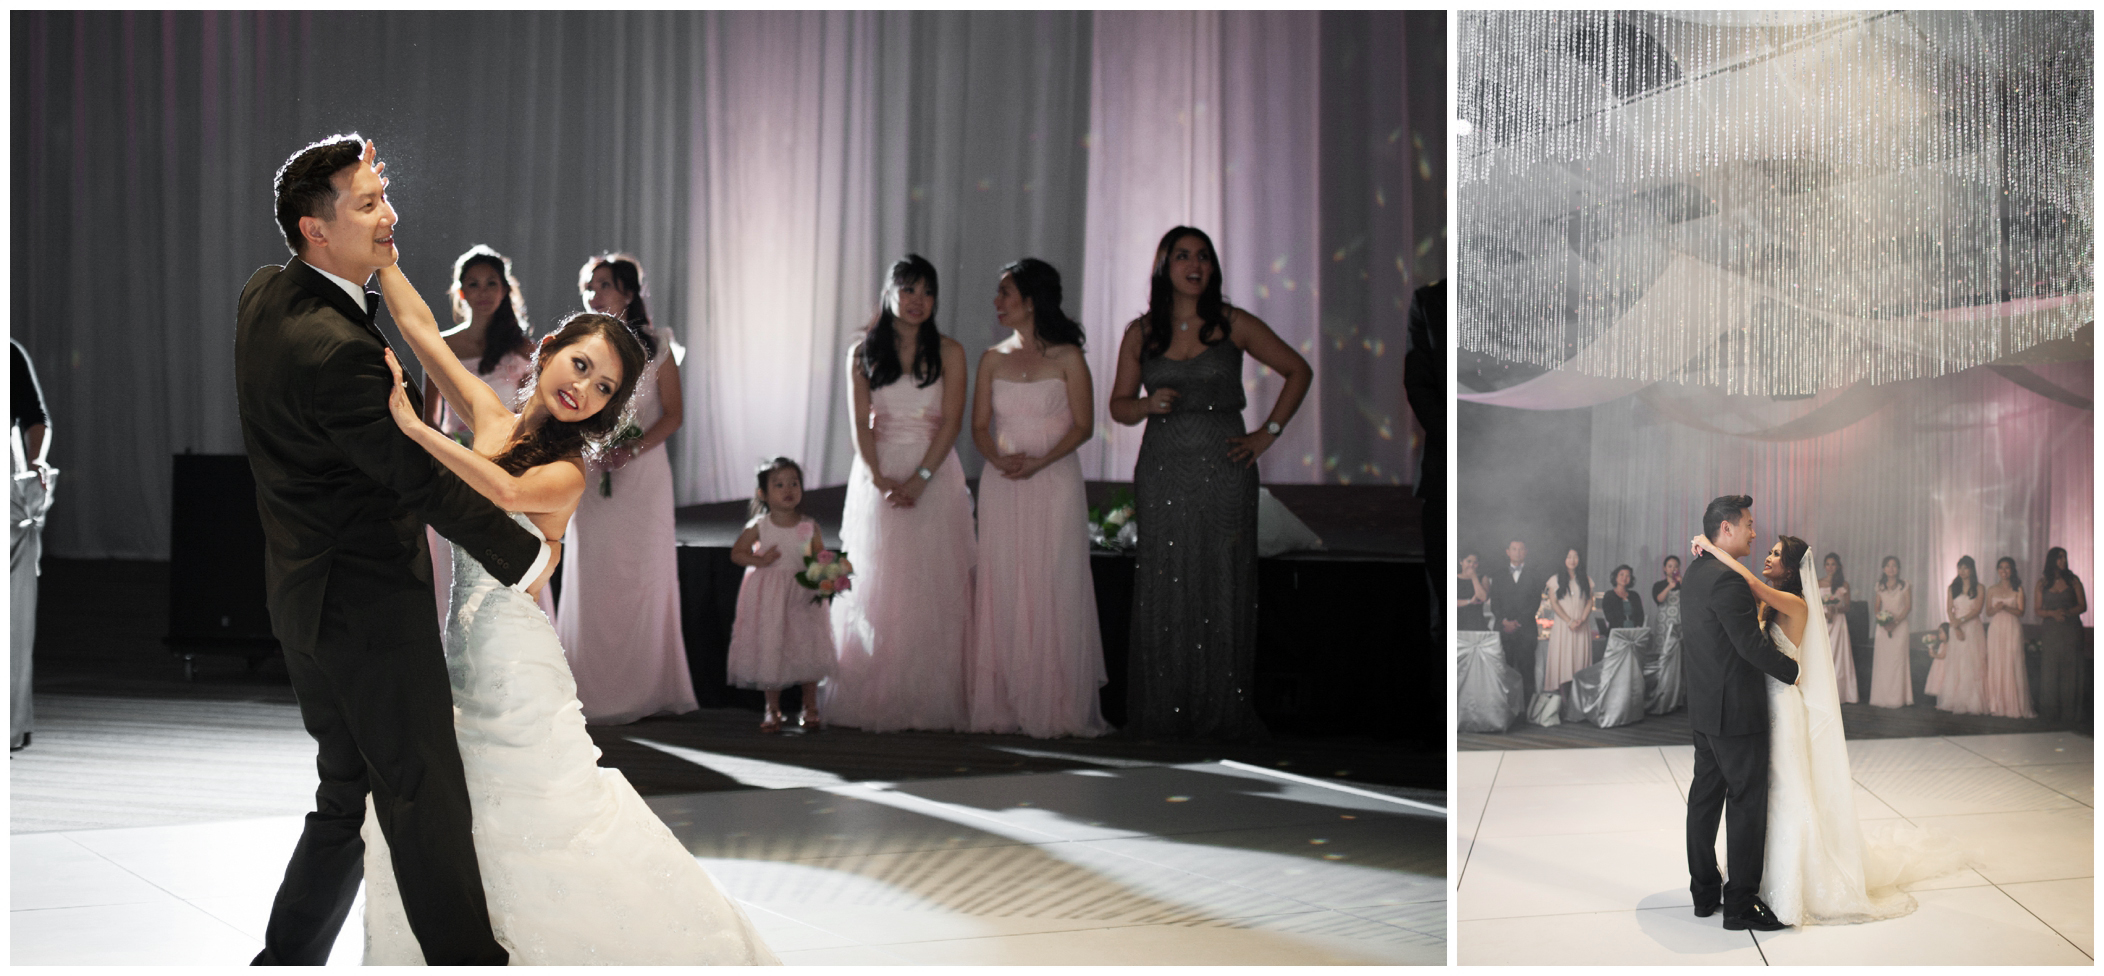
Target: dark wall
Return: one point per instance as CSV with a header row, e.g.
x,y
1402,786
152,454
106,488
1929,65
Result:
x,y
1522,474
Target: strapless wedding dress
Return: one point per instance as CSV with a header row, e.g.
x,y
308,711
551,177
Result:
x,y
576,869
1823,867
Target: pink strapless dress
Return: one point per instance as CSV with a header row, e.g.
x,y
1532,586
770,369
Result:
x,y
1844,653
2007,690
1963,689
510,373
619,618
901,632
1037,650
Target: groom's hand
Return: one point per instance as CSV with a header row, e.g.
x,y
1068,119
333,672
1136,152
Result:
x,y
555,558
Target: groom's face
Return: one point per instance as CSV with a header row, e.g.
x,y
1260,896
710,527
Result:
x,y
1737,535
359,232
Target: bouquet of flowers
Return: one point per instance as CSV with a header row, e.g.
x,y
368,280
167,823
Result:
x,y
1546,624
628,435
1885,618
1115,527
1832,602
1933,640
828,574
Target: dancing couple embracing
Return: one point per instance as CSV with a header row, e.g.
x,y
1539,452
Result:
x,y
457,779
1769,750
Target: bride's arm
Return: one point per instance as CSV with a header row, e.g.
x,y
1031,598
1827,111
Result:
x,y
1789,604
471,398
542,490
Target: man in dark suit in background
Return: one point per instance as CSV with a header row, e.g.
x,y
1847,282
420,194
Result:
x,y
1425,383
344,497
1515,593
1727,653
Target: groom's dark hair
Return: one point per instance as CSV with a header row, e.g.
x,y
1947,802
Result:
x,y
1722,509
303,183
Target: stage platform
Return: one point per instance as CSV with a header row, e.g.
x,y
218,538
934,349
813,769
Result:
x,y
1577,857
1344,645
1198,864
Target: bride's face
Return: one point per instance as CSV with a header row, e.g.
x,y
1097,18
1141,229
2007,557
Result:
x,y
1772,567
579,379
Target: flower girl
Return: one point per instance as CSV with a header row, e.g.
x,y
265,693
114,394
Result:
x,y
782,635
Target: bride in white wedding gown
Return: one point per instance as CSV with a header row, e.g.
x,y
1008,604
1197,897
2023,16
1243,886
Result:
x,y
1822,866
576,869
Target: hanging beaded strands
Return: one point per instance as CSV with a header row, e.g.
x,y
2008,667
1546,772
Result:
x,y
1773,203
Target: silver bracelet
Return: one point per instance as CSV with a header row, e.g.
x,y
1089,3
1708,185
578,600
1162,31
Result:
x,y
925,474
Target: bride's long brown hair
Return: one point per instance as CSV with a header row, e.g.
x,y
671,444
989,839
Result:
x,y
555,440
1792,581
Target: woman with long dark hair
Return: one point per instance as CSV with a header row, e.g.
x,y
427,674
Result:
x,y
2061,604
567,850
489,336
1964,663
907,523
1891,673
1570,598
1194,597
1834,587
619,617
2004,688
1037,651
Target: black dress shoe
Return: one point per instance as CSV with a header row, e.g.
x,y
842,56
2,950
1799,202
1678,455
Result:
x,y
1756,916
1704,909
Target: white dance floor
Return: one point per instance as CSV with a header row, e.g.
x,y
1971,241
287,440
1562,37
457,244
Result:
x,y
1204,864
1576,856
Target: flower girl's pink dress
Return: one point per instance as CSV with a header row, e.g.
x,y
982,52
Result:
x,y
901,631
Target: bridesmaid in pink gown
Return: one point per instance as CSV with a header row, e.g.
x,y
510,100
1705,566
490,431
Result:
x,y
1037,651
619,617
1965,653
2007,688
1891,673
1570,596
490,338
1835,585
901,632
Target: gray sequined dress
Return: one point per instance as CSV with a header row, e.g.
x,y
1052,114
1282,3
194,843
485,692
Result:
x,y
1194,599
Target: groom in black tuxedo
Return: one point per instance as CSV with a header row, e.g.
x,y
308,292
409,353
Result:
x,y
1726,654
344,497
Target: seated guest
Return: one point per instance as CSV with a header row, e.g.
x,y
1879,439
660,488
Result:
x,y
1622,605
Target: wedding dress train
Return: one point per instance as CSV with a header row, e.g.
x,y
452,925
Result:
x,y
576,869
1822,866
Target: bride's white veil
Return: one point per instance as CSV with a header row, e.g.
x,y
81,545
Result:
x,y
1851,870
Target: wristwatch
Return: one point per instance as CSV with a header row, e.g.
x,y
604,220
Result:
x,y
925,474
1272,427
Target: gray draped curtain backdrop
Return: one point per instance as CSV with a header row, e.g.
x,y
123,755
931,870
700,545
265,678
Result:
x,y
1989,462
764,167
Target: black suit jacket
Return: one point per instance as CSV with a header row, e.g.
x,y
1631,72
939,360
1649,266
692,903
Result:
x,y
1515,601
343,493
1726,651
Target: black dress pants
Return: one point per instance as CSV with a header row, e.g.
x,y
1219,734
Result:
x,y
375,696
1519,653
1731,774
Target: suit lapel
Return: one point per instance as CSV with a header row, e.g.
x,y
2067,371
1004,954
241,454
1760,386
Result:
x,y
312,281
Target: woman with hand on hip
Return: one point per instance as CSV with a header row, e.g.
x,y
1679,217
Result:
x,y
1194,598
